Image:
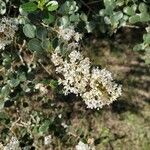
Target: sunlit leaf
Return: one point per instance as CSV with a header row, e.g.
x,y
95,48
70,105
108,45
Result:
x,y
29,30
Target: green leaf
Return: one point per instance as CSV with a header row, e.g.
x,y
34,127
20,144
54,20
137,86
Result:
x,y
146,57
34,45
74,18
129,11
29,7
5,91
102,12
117,16
1,104
41,4
84,17
144,17
146,38
107,20
46,45
49,19
2,7
3,115
138,47
142,7
69,7
147,49
13,83
53,84
44,127
120,2
110,4
134,19
52,5
41,33
22,77
64,21
29,30
7,61
89,26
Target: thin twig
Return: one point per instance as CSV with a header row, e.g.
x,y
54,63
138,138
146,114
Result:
x,y
14,123
89,3
87,6
131,26
21,47
44,68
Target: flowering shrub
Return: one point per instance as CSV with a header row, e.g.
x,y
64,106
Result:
x,y
43,60
95,86
7,30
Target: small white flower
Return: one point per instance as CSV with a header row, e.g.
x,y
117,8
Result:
x,y
41,88
8,27
1,146
75,56
82,146
73,45
64,125
56,59
66,33
69,33
60,116
47,140
77,37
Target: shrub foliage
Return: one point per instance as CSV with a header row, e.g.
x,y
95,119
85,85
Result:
x,y
30,32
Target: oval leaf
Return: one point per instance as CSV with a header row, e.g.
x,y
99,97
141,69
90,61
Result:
x,y
13,83
142,7
144,17
2,7
134,19
146,38
46,44
29,30
34,45
129,10
41,33
49,19
52,5
29,7
118,15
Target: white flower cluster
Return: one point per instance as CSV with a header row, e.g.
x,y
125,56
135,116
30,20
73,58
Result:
x,y
68,33
103,90
82,146
76,72
94,85
41,88
12,145
47,139
8,27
